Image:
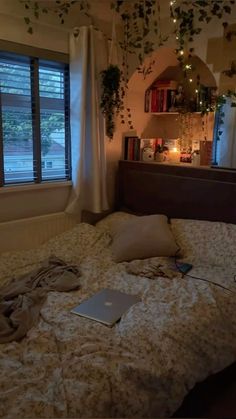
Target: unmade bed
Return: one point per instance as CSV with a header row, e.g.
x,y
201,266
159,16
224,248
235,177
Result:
x,y
182,331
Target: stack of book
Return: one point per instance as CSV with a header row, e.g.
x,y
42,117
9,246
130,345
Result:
x,y
132,148
160,96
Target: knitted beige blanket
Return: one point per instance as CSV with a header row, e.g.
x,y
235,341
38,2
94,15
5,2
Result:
x,y
22,299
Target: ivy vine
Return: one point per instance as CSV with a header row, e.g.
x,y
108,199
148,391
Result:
x,y
111,101
189,16
60,8
141,19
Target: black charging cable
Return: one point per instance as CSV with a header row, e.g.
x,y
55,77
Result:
x,y
197,277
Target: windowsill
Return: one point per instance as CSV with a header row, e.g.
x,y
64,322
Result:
x,y
34,186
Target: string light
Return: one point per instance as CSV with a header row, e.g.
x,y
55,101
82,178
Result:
x,y
181,52
188,66
196,90
190,80
174,20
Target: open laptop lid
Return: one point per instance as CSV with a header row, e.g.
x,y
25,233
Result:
x,y
107,306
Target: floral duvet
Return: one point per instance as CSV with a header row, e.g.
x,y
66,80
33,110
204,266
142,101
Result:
x,y
67,366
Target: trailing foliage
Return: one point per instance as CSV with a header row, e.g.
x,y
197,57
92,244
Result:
x,y
141,20
190,16
111,102
142,34
59,7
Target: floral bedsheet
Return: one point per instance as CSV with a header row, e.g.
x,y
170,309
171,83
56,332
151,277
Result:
x,y
182,331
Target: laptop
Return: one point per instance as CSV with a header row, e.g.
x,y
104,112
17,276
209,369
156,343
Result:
x,y
107,306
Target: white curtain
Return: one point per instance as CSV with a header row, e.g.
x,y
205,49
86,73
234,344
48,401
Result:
x,y
88,57
226,146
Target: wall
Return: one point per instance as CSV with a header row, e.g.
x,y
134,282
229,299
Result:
x,y
22,202
215,54
208,46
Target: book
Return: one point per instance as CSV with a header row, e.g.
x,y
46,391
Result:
x,y
205,153
131,148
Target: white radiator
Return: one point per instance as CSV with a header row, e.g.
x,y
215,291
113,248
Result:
x,y
30,232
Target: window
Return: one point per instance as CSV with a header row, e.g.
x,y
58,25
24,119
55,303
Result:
x,y
34,120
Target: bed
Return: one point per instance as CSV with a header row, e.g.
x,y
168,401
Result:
x,y
181,332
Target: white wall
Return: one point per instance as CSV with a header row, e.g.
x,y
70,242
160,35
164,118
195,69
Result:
x,y
25,203
31,200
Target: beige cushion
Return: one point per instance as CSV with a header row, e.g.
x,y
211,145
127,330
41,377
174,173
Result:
x,y
143,237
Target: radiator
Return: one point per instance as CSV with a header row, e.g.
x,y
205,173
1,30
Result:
x,y
30,232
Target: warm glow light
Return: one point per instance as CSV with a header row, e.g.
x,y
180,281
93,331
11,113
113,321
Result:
x,y
196,90
174,20
188,66
176,37
175,150
181,52
200,103
190,80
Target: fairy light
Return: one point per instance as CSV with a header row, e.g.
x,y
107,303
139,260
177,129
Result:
x,y
191,80
177,37
174,20
188,66
181,52
196,90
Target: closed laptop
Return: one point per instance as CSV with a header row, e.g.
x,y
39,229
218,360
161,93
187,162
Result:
x,y
107,306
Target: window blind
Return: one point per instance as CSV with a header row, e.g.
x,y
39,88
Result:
x,y
34,123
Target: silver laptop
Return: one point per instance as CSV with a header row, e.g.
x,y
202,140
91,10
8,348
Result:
x,y
107,306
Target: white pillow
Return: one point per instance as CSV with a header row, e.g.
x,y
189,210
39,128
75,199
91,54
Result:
x,y
108,223
143,237
208,242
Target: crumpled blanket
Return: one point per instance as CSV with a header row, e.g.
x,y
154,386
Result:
x,y
22,299
151,270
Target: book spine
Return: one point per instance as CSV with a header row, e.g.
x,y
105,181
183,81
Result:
x,y
154,100
147,100
131,149
137,149
126,142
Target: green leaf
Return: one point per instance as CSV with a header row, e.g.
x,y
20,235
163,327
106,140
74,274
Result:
x,y
227,9
27,20
30,30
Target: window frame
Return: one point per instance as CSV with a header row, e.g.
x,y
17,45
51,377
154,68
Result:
x,y
36,57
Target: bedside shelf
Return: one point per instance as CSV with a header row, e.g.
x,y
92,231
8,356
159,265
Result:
x,y
173,113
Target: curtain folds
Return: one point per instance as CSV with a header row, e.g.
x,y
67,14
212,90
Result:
x,y
226,146
88,57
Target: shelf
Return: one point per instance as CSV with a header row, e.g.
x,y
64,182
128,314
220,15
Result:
x,y
173,113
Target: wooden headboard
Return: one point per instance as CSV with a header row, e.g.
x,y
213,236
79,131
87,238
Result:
x,y
177,191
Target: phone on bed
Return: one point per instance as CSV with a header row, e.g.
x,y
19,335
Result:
x,y
184,268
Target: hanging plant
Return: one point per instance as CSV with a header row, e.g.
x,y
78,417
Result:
x,y
111,102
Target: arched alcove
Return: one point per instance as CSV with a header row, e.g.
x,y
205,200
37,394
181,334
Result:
x,y
166,66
